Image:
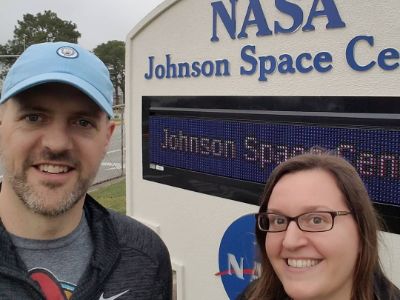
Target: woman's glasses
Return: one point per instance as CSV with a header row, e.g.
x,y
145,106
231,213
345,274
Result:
x,y
317,221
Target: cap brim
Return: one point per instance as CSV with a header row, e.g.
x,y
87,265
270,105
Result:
x,y
66,78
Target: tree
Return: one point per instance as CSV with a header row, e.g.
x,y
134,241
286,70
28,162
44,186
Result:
x,y
112,54
33,29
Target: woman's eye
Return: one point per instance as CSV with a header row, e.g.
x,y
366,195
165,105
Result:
x,y
279,220
317,220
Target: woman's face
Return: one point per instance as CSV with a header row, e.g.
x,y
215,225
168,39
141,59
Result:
x,y
313,265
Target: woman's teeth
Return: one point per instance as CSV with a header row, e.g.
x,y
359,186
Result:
x,y
302,263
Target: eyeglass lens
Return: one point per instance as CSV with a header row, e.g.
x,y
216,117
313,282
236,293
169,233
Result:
x,y
313,221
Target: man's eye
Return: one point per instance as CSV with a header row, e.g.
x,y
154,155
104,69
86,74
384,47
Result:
x,y
33,118
84,123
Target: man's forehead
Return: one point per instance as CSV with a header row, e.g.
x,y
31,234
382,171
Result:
x,y
54,95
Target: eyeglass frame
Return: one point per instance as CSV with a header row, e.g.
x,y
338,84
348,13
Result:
x,y
334,214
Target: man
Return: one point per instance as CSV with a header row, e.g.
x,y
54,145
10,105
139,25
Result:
x,y
56,242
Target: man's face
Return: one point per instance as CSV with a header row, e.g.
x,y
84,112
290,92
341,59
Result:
x,y
52,140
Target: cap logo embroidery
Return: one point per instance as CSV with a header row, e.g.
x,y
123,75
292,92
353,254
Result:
x,y
67,52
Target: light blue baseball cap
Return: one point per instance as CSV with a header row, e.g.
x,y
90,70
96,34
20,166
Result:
x,y
61,62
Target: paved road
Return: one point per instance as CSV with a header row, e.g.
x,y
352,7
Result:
x,y
111,164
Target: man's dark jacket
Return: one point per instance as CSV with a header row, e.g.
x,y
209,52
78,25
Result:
x,y
127,256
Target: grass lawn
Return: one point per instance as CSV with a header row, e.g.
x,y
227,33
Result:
x,y
112,196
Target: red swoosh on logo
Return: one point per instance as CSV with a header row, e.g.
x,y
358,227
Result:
x,y
245,271
49,284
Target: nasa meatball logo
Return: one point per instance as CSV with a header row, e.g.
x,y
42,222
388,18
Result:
x,y
238,264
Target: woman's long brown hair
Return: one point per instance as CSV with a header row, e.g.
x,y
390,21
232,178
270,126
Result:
x,y
268,286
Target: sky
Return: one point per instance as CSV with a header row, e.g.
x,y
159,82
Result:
x,y
98,21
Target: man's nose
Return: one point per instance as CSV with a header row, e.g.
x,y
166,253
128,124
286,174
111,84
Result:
x,y
57,137
294,237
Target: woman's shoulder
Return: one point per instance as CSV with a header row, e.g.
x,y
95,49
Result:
x,y
385,289
249,293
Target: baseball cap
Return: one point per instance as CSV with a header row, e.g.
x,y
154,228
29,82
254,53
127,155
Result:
x,y
61,62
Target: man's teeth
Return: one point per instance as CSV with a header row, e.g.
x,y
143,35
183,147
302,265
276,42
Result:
x,y
302,263
54,169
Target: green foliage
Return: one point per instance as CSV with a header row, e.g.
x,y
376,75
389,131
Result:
x,y
112,54
39,28
112,196
45,27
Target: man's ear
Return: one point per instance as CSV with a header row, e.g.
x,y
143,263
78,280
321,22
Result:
x,y
2,111
110,129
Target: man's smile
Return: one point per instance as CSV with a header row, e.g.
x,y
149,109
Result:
x,y
53,169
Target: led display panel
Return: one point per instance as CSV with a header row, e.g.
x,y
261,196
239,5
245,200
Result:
x,y
229,151
250,151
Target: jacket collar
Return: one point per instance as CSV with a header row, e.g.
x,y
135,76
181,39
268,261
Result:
x,y
106,251
106,248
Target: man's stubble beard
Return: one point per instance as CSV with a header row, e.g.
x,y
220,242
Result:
x,y
36,200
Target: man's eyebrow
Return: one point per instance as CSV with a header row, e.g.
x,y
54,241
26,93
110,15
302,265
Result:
x,y
92,113
31,107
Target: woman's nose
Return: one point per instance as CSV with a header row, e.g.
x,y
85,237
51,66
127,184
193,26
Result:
x,y
294,237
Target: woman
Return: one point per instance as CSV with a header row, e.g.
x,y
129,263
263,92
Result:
x,y
330,250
